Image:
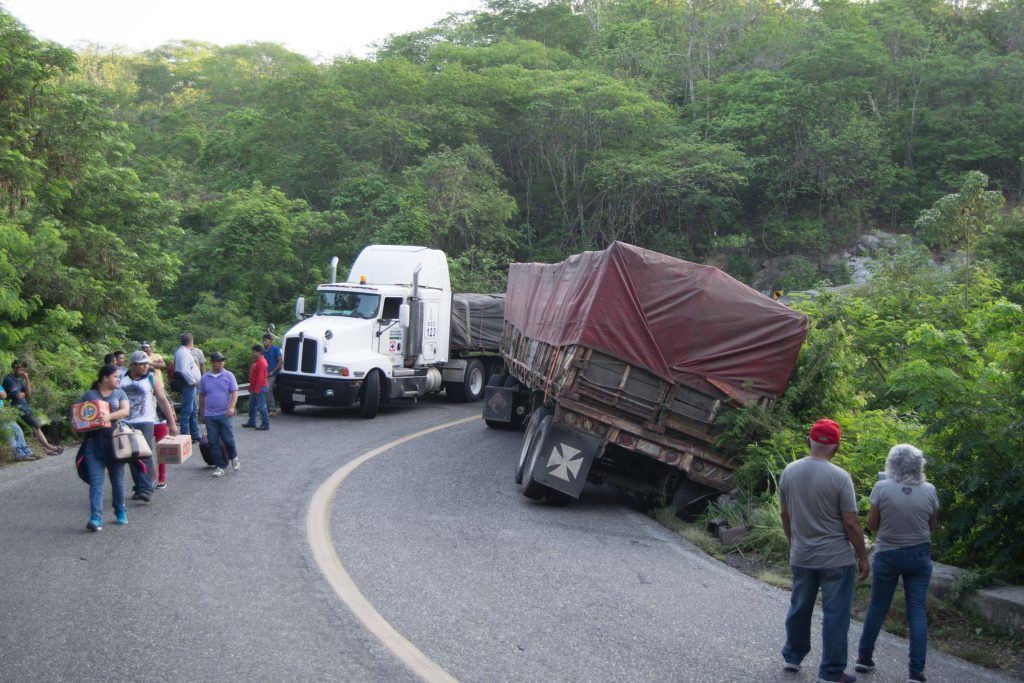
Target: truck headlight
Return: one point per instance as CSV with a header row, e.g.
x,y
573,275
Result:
x,y
335,370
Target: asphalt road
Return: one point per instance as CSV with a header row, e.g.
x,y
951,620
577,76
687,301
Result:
x,y
216,580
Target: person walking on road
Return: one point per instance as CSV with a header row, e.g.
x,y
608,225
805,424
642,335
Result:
x,y
275,361
98,448
185,365
258,390
904,512
826,551
144,395
218,393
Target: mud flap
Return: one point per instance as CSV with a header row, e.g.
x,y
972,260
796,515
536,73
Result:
x,y
498,403
564,460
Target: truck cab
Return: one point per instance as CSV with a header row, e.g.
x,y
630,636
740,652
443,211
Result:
x,y
383,334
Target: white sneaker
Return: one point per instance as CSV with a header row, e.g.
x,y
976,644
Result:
x,y
218,472
235,464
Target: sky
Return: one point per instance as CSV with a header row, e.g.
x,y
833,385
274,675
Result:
x,y
319,29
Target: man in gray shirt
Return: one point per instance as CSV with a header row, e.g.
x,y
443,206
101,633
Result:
x,y
826,552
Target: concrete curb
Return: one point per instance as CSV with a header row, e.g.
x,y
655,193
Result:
x,y
1000,604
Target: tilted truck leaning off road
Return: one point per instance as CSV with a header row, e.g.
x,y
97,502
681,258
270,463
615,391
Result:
x,y
623,360
393,330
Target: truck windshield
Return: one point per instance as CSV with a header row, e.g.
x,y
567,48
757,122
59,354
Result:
x,y
348,304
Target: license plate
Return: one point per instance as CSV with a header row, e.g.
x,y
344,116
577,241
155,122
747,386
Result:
x,y
298,398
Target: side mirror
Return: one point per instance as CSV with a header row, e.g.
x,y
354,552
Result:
x,y
403,316
300,308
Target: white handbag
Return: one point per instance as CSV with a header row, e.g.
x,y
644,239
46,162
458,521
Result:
x,y
129,443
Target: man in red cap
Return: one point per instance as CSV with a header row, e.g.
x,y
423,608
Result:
x,y
826,552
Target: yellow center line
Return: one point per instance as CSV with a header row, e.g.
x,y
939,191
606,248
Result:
x,y
325,555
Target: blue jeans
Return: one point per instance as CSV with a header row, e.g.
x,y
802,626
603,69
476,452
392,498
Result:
x,y
189,421
836,584
18,443
143,469
218,428
914,564
99,457
258,404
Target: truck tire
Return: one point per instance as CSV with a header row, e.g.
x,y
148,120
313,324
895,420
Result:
x,y
557,498
471,388
287,407
530,487
371,396
528,438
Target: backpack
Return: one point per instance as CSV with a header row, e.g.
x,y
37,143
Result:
x,y
177,382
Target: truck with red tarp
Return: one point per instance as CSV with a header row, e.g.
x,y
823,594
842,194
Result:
x,y
622,362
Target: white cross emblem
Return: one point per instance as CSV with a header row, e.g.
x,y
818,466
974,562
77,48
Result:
x,y
563,459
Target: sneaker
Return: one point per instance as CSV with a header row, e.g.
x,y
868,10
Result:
x,y
248,426
843,678
218,472
144,497
122,518
791,667
263,428
235,464
95,523
864,665
161,485
916,677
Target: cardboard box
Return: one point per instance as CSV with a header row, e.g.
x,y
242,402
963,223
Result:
x,y
174,450
90,415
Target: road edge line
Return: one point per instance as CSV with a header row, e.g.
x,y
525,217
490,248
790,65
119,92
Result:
x,y
318,534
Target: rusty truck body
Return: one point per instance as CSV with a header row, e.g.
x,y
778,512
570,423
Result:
x,y
621,363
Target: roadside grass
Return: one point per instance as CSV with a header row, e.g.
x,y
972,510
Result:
x,y
953,628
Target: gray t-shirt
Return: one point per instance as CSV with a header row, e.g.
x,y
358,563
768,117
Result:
x,y
903,513
816,493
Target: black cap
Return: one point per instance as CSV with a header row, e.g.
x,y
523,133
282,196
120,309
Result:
x,y
216,355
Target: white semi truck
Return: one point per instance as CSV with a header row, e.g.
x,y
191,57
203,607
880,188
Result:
x,y
393,330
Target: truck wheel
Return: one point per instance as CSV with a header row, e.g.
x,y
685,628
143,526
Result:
x,y
528,438
471,388
530,487
371,396
557,498
287,407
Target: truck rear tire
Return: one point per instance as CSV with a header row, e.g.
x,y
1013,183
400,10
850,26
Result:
x,y
528,438
530,487
471,388
287,407
371,396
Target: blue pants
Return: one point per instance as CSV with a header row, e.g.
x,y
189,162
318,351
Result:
x,y
836,584
18,443
99,458
218,427
258,404
189,421
143,469
914,564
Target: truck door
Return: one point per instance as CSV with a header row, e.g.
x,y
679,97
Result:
x,y
390,342
431,320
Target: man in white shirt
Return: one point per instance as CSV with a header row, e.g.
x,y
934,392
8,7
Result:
x,y
185,364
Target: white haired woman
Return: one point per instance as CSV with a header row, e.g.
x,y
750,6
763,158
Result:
x,y
904,512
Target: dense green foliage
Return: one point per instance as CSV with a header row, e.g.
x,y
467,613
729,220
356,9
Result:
x,y
203,187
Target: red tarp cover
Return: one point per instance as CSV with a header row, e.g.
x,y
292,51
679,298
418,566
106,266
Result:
x,y
683,322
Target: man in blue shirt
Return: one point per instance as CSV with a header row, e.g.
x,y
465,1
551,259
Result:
x,y
275,361
218,393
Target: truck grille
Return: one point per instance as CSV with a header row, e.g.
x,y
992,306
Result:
x,y
294,359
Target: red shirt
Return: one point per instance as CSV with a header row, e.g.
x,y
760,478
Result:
x,y
257,375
